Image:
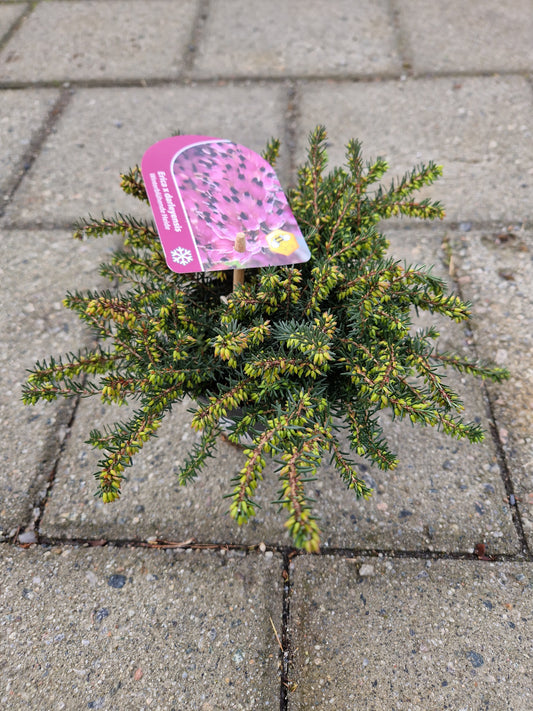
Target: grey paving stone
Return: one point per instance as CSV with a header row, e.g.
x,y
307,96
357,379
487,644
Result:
x,y
152,503
474,36
103,132
37,269
23,114
416,635
445,495
130,629
495,270
479,129
303,37
9,14
94,39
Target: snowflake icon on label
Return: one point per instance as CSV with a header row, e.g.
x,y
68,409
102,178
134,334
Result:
x,y
182,256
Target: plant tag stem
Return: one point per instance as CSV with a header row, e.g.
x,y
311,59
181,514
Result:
x,y
238,277
240,246
240,242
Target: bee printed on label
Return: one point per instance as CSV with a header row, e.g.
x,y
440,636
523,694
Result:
x,y
282,242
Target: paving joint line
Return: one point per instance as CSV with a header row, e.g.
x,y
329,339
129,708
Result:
x,y
34,149
505,472
492,73
287,552
41,503
286,640
237,80
195,37
30,6
66,2
292,115
184,79
403,46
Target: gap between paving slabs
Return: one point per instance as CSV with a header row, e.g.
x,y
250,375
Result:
x,y
28,117
495,272
35,323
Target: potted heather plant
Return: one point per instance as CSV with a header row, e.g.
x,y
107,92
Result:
x,y
295,355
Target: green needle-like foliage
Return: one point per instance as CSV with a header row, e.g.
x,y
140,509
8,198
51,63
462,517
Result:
x,y
295,356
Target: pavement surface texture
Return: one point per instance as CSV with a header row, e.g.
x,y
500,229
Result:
x,y
420,599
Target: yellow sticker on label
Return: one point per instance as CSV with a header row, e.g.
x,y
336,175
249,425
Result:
x,y
282,242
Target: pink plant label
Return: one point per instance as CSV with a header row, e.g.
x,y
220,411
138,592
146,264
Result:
x,y
218,205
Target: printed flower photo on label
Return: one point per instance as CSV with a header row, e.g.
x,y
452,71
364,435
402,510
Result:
x,y
227,190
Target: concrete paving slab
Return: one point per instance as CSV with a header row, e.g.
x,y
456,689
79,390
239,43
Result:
x,y
476,36
37,269
95,39
411,634
103,132
478,128
300,38
9,14
152,503
445,495
139,629
23,114
495,270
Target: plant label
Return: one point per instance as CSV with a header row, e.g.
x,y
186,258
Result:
x,y
218,205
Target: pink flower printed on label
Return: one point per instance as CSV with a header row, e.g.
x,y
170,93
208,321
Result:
x,y
218,205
